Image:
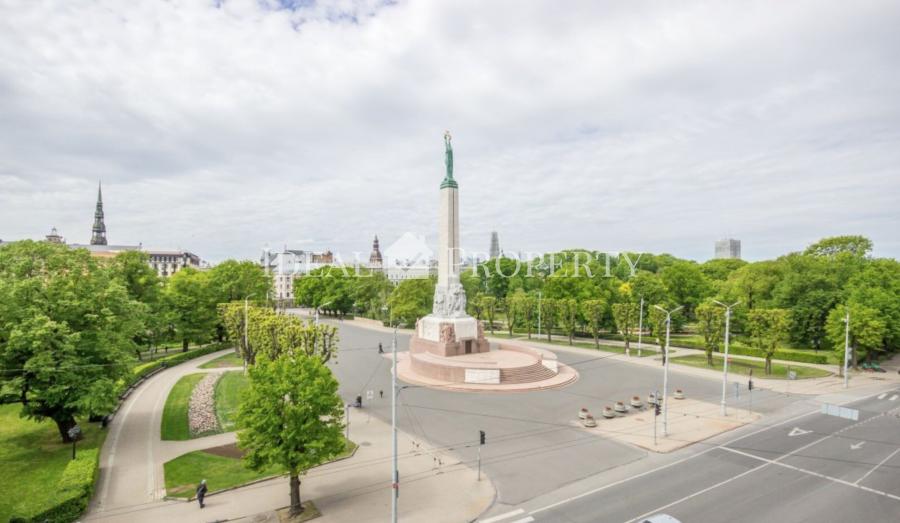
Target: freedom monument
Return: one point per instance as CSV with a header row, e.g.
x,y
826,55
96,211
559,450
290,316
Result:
x,y
448,346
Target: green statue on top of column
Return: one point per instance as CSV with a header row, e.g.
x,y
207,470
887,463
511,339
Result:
x,y
448,161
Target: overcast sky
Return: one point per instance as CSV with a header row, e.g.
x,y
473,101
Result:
x,y
220,127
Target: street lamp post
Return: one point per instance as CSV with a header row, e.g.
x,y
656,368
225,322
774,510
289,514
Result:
x,y
640,326
539,314
846,348
395,474
727,336
666,368
246,329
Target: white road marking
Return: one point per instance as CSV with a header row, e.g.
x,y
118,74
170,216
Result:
x,y
882,395
797,431
663,467
766,463
880,463
895,396
529,519
857,446
699,492
503,516
818,475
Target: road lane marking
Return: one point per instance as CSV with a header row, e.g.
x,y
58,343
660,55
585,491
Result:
x,y
663,467
503,516
882,395
857,446
880,463
766,463
797,431
682,460
817,474
529,519
699,492
895,396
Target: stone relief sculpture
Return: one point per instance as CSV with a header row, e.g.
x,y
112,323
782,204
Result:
x,y
447,333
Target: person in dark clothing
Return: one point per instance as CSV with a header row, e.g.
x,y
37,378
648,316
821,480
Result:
x,y
380,348
381,393
201,492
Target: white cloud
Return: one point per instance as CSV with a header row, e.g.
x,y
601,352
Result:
x,y
642,125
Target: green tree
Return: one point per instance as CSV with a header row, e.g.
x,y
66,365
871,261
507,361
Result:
x,y
866,332
412,299
513,309
625,315
132,269
548,310
290,418
489,306
768,328
594,311
66,327
568,316
529,311
858,246
685,284
878,286
234,280
711,325
191,306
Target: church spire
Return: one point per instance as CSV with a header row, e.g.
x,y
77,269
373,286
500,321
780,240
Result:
x,y
98,232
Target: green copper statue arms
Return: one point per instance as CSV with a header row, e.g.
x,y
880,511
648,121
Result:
x,y
448,161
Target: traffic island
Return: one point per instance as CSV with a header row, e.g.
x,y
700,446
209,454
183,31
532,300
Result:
x,y
690,421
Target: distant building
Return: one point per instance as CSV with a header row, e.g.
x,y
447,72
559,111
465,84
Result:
x,y
54,237
376,262
98,232
409,258
495,245
728,248
289,264
167,263
164,262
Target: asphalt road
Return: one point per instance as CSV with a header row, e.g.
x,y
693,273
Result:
x,y
533,447
813,467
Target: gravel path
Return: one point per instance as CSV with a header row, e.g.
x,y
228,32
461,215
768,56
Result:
x,y
202,408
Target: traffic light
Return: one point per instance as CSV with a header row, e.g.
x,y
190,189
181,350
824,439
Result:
x,y
481,437
657,409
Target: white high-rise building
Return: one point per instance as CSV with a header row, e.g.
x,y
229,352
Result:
x,y
728,248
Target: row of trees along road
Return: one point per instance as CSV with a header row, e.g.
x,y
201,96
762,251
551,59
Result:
x,y
797,301
291,414
72,326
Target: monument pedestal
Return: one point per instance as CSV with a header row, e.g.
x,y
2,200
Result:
x,y
447,336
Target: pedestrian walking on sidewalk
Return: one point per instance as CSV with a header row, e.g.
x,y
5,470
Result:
x,y
201,492
380,348
381,394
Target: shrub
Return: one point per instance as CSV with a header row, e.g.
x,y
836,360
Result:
x,y
75,488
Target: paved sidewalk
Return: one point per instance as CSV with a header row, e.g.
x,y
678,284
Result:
x,y
434,486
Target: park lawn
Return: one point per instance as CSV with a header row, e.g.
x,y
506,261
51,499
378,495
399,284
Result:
x,y
743,367
33,458
174,424
220,472
228,360
564,342
229,392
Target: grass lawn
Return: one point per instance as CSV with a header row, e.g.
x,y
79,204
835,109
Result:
x,y
564,342
33,458
220,471
229,392
742,367
228,360
175,414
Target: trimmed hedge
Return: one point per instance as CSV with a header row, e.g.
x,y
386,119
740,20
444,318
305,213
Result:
x,y
740,350
74,489
144,369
